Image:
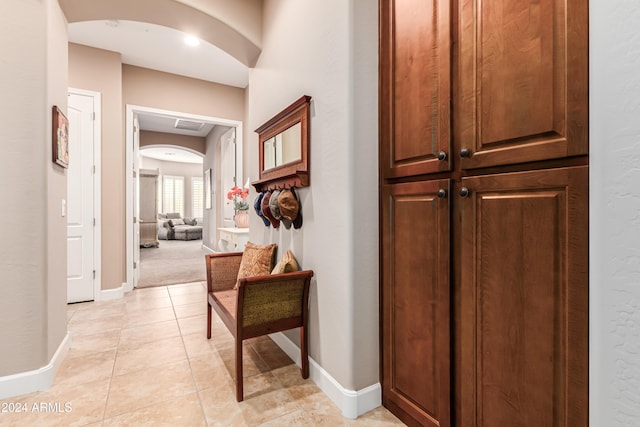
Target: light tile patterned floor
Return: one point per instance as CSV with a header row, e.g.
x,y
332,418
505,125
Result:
x,y
144,360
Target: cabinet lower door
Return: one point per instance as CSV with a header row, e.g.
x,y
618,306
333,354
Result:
x,y
524,299
415,302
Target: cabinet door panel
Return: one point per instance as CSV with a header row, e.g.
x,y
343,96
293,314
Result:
x,y
524,299
523,92
414,86
415,302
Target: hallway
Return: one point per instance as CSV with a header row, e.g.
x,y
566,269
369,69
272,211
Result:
x,y
145,360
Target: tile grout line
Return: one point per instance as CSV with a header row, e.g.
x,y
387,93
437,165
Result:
x,y
113,374
113,369
193,378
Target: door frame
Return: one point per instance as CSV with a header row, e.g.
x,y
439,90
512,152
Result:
x,y
131,112
97,185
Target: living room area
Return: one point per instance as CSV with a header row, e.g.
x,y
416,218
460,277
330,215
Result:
x,y
171,208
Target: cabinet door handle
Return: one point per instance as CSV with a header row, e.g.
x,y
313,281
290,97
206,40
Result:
x,y
465,152
442,156
442,193
464,192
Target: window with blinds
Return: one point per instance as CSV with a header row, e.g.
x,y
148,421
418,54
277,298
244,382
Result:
x,y
197,197
173,194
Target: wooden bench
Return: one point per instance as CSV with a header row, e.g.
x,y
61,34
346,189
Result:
x,y
258,306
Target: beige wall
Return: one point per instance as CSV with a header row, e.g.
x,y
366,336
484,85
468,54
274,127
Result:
x,y
33,254
155,89
57,94
185,170
195,143
339,237
101,71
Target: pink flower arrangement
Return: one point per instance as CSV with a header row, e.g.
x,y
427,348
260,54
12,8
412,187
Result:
x,y
237,195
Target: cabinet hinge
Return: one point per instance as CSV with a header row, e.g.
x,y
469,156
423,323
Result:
x,y
135,265
94,275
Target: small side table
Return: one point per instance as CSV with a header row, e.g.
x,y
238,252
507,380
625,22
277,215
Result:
x,y
233,239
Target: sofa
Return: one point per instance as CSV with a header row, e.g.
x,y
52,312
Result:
x,y
171,226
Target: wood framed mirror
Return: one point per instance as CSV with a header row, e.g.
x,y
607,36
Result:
x,y
283,148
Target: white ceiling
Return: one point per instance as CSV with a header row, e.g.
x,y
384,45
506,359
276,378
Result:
x,y
163,49
167,124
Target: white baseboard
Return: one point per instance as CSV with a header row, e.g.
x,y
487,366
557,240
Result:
x,y
111,294
208,249
38,379
352,403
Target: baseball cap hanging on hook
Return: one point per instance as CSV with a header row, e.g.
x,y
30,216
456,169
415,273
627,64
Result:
x,y
266,210
297,221
257,205
289,207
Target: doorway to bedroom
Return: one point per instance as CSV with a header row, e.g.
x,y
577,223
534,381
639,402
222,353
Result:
x,y
170,209
177,171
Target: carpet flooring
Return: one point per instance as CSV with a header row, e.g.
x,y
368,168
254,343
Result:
x,y
175,261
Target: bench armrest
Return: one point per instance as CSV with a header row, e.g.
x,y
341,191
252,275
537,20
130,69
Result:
x,y
265,299
222,270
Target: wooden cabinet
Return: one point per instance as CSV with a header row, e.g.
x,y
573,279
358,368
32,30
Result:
x,y
523,313
414,87
489,99
521,81
416,317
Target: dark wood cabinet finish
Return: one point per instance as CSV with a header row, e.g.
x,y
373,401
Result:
x,y
524,299
415,302
414,86
500,87
522,81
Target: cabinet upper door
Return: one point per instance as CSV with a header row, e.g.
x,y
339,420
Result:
x,y
524,299
521,85
416,302
414,87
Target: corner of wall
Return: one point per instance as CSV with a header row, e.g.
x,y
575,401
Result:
x,y
352,403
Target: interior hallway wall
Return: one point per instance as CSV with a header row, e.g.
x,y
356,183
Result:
x,y
33,45
333,58
212,160
100,71
614,212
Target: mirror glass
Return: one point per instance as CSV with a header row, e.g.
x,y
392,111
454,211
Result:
x,y
283,148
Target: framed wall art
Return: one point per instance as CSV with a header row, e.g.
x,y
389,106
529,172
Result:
x,y
60,136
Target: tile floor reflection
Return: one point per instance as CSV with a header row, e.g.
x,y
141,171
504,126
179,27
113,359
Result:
x,y
144,360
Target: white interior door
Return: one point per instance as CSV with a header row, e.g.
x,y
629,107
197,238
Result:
x,y
80,199
228,174
136,202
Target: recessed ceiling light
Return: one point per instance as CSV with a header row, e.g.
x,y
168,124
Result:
x,y
192,40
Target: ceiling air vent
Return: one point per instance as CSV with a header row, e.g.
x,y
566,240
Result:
x,y
188,125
